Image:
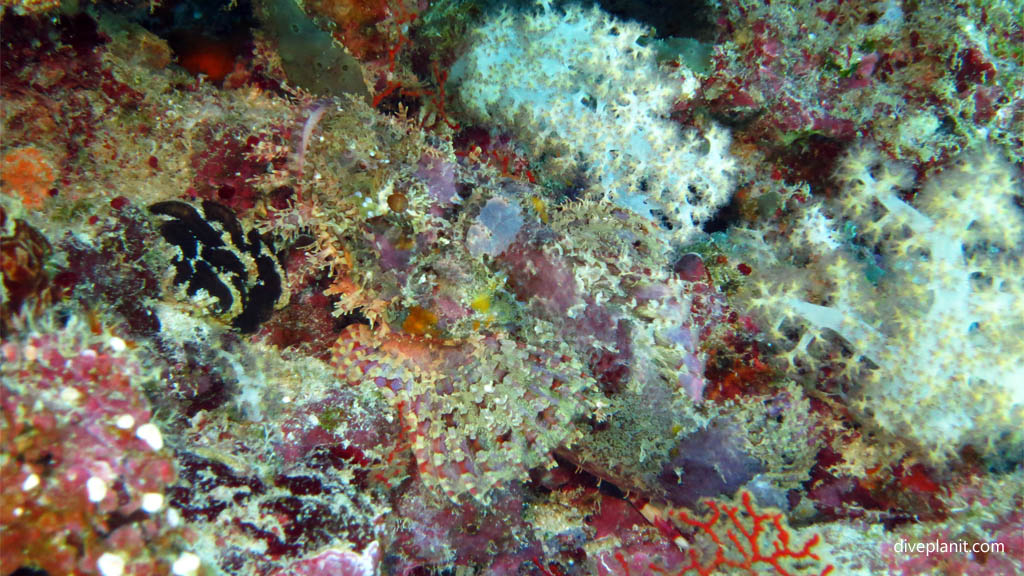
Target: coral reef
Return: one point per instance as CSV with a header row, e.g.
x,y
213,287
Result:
x,y
467,287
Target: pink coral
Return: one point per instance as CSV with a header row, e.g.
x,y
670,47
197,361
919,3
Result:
x,y
336,563
84,474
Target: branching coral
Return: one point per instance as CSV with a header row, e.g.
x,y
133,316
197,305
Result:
x,y
741,537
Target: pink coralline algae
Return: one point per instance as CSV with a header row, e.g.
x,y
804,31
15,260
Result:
x,y
337,563
954,550
228,169
436,534
85,472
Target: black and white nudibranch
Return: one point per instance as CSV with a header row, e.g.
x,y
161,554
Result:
x,y
216,256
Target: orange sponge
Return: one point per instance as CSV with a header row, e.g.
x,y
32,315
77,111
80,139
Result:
x,y
27,173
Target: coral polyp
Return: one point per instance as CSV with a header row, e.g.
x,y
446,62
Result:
x,y
479,414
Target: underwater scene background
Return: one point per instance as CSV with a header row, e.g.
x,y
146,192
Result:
x,y
398,287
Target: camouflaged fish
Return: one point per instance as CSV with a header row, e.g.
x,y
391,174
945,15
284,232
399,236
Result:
x,y
478,414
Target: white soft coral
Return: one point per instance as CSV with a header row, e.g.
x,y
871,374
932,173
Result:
x,y
944,323
581,82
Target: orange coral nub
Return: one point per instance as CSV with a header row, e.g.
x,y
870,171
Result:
x,y
27,173
419,322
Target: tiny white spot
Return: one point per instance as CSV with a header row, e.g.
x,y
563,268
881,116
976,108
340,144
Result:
x,y
31,482
125,421
187,564
150,434
152,501
110,564
117,345
70,395
18,512
173,518
96,488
